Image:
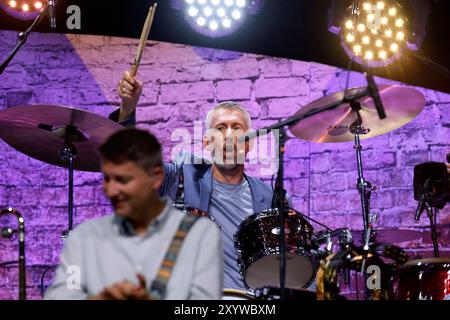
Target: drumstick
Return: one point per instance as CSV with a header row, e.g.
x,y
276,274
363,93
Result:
x,y
144,36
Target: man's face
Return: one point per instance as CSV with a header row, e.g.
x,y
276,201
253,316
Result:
x,y
226,126
130,188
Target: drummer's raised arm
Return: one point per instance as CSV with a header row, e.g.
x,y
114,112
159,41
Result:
x,y
129,90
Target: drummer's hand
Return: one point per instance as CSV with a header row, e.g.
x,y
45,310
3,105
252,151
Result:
x,y
129,89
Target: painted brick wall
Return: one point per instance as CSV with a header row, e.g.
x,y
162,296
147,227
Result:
x,y
181,84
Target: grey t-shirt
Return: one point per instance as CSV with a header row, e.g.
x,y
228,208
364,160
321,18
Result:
x,y
230,205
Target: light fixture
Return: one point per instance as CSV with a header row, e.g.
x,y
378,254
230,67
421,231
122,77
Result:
x,y
22,9
379,37
384,28
217,18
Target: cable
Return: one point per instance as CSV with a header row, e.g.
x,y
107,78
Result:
x,y
433,65
42,279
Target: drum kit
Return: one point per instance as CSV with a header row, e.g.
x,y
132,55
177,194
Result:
x,y
349,115
294,255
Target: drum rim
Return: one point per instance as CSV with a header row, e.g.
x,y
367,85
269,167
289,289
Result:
x,y
267,212
426,261
238,293
272,211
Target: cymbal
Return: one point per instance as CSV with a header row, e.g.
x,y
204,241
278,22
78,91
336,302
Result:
x,y
389,235
402,104
40,131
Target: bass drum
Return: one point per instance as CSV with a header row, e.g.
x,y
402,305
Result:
x,y
257,244
424,279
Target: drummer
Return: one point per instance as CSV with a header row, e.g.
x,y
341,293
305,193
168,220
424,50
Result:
x,y
221,188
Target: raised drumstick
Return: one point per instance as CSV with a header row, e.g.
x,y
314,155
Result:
x,y
144,36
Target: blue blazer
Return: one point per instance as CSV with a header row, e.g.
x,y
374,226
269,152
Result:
x,y
198,184
198,179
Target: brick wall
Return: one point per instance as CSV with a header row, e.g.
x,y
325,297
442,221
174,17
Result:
x,y
181,84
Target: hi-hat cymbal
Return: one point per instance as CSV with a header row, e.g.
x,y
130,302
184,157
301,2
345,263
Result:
x,y
389,235
402,104
40,131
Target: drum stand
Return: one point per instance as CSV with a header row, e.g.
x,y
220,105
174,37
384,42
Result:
x,y
365,188
278,202
434,236
68,153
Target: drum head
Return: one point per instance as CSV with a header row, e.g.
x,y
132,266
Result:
x,y
265,272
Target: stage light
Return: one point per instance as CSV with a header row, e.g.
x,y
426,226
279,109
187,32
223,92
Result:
x,y
382,20
22,9
217,18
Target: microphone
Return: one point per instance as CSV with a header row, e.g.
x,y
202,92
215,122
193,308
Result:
x,y
422,200
374,94
51,13
6,232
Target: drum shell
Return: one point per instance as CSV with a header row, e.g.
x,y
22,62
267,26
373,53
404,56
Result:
x,y
258,238
424,279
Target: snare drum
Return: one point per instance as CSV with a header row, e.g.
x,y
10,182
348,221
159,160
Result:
x,y
199,213
424,279
257,244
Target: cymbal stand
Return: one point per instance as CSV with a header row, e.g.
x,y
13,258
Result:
x,y
364,187
432,213
68,153
278,202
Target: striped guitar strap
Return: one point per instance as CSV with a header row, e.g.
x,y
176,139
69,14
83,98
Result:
x,y
159,285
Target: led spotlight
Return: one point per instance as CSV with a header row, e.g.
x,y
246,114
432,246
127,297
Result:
x,y
217,18
22,9
376,36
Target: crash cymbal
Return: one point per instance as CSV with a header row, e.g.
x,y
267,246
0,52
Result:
x,y
402,104
389,235
39,131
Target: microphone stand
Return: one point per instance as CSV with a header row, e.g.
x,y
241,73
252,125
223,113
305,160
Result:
x,y
424,203
279,202
68,153
432,216
21,234
279,193
22,39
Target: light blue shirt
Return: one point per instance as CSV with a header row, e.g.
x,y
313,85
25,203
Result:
x,y
106,250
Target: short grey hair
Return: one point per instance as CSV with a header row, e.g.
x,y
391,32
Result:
x,y
228,105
